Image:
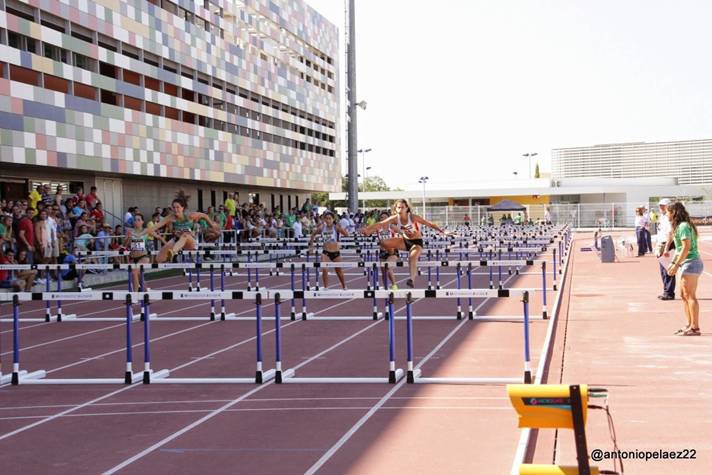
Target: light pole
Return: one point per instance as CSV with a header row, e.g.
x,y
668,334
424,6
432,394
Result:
x,y
529,157
363,152
423,180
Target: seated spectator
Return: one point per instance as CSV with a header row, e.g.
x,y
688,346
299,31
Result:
x,y
84,240
29,275
98,213
71,258
11,279
92,198
58,195
46,193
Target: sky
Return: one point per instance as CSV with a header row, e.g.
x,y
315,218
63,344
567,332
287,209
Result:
x,y
458,90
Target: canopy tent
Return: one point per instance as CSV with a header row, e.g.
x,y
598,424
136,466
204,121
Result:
x,y
506,205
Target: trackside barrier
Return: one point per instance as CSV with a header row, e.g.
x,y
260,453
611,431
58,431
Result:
x,y
555,406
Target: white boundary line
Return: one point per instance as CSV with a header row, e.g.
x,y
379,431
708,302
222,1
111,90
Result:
x,y
525,436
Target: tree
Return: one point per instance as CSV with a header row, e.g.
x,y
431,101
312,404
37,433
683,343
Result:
x,y
536,171
372,183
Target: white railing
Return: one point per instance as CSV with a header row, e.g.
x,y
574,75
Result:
x,y
583,215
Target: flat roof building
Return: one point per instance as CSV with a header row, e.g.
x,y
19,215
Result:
x,y
142,98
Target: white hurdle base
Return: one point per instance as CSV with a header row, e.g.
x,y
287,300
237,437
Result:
x,y
397,376
7,378
417,379
266,376
39,379
313,316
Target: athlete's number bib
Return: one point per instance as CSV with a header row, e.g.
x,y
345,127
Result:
x,y
138,245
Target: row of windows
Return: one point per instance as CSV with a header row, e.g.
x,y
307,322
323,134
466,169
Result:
x,y
26,43
54,83
47,19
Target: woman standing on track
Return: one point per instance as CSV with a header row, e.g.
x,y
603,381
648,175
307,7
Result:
x,y
136,242
183,222
329,231
687,260
411,240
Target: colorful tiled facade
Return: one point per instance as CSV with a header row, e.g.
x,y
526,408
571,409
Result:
x,y
238,92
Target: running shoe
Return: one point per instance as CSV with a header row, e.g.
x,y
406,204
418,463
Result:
x,y
394,287
410,283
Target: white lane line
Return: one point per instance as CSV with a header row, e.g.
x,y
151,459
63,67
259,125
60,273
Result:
x,y
269,409
259,400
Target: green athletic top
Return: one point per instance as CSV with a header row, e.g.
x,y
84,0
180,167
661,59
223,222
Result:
x,y
684,231
138,241
182,225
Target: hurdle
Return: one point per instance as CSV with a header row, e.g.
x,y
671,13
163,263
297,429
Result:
x,y
414,376
393,376
39,377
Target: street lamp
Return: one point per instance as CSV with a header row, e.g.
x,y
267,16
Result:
x,y
363,152
423,180
529,157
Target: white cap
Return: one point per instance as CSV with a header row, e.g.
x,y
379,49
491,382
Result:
x,y
664,202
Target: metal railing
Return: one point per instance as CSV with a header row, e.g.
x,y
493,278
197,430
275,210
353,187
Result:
x,y
580,215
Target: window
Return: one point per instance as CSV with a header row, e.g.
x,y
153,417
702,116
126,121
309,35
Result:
x,y
109,43
28,76
109,97
204,78
55,83
82,90
151,83
84,62
133,103
172,113
171,89
106,69
53,52
21,42
218,84
130,51
203,121
188,117
150,58
132,77
187,72
203,99
187,94
20,9
169,7
54,22
170,66
153,108
82,33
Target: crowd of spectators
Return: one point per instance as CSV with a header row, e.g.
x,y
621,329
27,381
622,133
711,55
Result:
x,y
50,226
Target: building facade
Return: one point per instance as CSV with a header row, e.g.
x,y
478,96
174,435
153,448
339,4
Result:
x,y
688,162
145,97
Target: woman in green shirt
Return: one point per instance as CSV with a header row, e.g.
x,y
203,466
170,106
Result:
x,y
687,261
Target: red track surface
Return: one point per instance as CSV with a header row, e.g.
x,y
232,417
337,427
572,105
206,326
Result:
x,y
359,428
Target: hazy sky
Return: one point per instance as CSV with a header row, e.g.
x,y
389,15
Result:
x,y
458,89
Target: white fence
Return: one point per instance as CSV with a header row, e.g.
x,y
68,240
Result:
x,y
586,215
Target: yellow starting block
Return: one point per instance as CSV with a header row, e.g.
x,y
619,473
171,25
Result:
x,y
546,406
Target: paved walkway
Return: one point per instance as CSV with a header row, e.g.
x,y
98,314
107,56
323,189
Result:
x,y
613,332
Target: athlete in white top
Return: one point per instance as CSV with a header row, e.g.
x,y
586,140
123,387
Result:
x,y
329,231
411,239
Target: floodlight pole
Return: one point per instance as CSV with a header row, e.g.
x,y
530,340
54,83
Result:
x,y
351,103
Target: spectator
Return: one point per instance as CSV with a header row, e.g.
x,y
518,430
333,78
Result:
x,y
35,196
128,217
70,258
46,193
26,235
84,240
15,280
29,275
640,231
92,198
44,243
80,195
98,213
297,227
687,261
664,242
58,195
231,203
